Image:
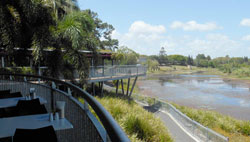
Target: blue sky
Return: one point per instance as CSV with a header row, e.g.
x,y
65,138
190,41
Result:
x,y
187,27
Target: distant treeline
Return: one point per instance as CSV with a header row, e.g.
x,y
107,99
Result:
x,y
236,65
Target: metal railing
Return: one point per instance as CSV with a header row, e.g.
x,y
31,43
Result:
x,y
117,71
196,129
86,127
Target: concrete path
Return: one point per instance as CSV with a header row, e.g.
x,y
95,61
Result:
x,y
177,133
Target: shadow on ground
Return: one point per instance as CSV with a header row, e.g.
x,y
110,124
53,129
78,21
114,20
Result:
x,y
153,108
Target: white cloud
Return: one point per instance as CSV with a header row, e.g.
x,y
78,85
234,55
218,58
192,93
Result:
x,y
194,26
247,37
148,39
216,45
217,37
245,22
140,27
142,37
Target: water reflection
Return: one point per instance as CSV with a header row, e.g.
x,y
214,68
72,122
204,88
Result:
x,y
205,90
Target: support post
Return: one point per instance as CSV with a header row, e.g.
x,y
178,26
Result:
x,y
128,86
102,88
25,79
31,62
3,62
39,73
117,87
133,87
122,87
92,62
69,92
93,89
102,67
53,86
86,105
137,69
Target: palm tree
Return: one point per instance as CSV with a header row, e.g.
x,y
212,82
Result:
x,y
22,22
61,7
54,24
76,32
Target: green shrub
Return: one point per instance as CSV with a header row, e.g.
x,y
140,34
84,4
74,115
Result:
x,y
139,124
19,70
242,72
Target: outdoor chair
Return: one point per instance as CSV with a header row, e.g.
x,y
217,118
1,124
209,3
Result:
x,y
45,134
11,95
6,139
28,103
24,107
29,107
3,92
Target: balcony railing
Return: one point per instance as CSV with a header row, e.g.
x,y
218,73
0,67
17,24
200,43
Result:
x,y
116,71
86,126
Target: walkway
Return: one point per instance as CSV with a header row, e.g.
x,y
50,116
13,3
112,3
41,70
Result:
x,y
117,72
177,133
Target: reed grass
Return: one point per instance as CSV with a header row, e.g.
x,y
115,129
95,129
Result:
x,y
236,130
139,124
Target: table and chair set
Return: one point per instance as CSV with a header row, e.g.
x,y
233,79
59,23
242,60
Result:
x,y
25,118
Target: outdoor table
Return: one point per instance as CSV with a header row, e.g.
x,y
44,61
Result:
x,y
10,102
9,125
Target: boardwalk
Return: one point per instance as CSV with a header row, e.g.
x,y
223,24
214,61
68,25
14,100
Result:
x,y
106,73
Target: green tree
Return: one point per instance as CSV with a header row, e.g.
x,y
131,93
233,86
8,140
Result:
x,y
75,31
103,32
201,57
153,65
24,22
201,60
162,59
177,59
126,56
190,60
53,24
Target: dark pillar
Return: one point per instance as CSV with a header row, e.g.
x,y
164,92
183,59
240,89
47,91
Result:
x,y
133,86
128,86
93,89
103,66
122,87
117,87
102,88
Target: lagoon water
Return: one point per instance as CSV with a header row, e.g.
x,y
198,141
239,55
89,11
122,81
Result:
x,y
201,91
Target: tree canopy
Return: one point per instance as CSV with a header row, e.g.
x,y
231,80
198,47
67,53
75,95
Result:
x,y
54,24
125,56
